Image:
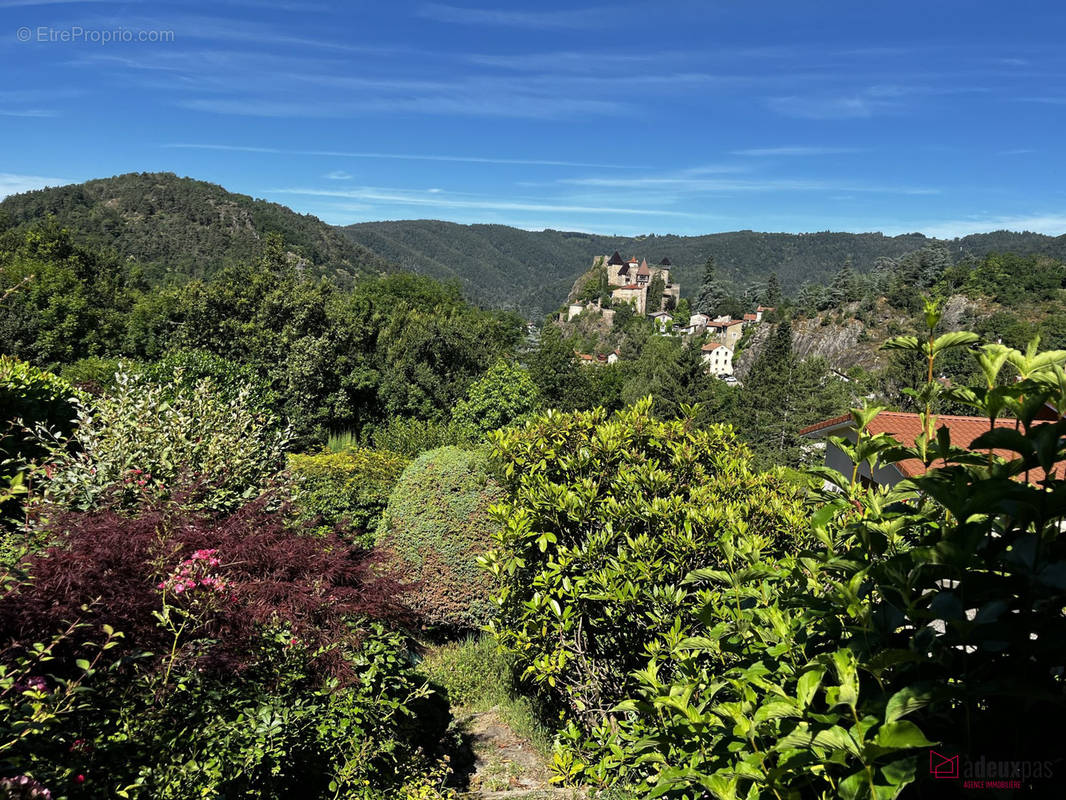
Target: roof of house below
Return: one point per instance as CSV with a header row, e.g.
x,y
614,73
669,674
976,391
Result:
x,y
905,427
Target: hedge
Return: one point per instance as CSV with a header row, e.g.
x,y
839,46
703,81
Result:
x,y
437,523
349,488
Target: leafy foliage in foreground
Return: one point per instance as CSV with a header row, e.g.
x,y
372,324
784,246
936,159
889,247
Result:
x,y
437,524
249,661
607,516
926,614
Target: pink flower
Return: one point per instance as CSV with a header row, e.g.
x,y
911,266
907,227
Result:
x,y
179,588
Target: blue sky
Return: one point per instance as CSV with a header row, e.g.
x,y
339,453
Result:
x,y
628,118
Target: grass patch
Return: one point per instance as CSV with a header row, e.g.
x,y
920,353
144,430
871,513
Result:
x,y
478,677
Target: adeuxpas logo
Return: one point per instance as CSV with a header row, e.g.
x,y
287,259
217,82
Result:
x,y
985,773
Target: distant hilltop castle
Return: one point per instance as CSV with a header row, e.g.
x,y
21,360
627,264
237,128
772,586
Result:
x,y
630,281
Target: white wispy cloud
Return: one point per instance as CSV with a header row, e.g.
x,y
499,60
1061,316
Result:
x,y
12,183
338,175
796,151
695,184
20,3
28,112
436,198
441,103
853,106
1050,224
403,156
509,17
876,99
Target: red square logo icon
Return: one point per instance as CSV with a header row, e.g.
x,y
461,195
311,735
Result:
x,y
941,766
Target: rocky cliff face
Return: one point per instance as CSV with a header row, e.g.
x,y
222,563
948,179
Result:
x,y
847,342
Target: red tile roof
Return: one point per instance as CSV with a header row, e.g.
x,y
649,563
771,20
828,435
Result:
x,y
750,317
906,427
714,346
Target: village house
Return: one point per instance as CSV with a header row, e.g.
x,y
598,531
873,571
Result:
x,y
761,311
718,358
727,331
905,428
697,324
662,319
596,359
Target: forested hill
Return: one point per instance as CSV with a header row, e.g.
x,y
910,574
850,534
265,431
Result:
x,y
182,228
532,271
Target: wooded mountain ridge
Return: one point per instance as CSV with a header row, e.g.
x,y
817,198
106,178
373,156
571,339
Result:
x,y
181,228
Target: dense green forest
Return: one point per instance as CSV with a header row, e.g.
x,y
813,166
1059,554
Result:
x,y
179,228
532,271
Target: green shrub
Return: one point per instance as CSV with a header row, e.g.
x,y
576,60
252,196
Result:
x,y
350,488
184,369
929,614
29,399
94,374
274,733
147,439
608,515
36,398
505,395
437,523
409,436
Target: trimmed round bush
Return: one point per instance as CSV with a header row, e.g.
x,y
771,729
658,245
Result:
x,y
437,523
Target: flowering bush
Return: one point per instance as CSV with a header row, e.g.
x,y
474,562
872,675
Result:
x,y
257,660
144,439
23,788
